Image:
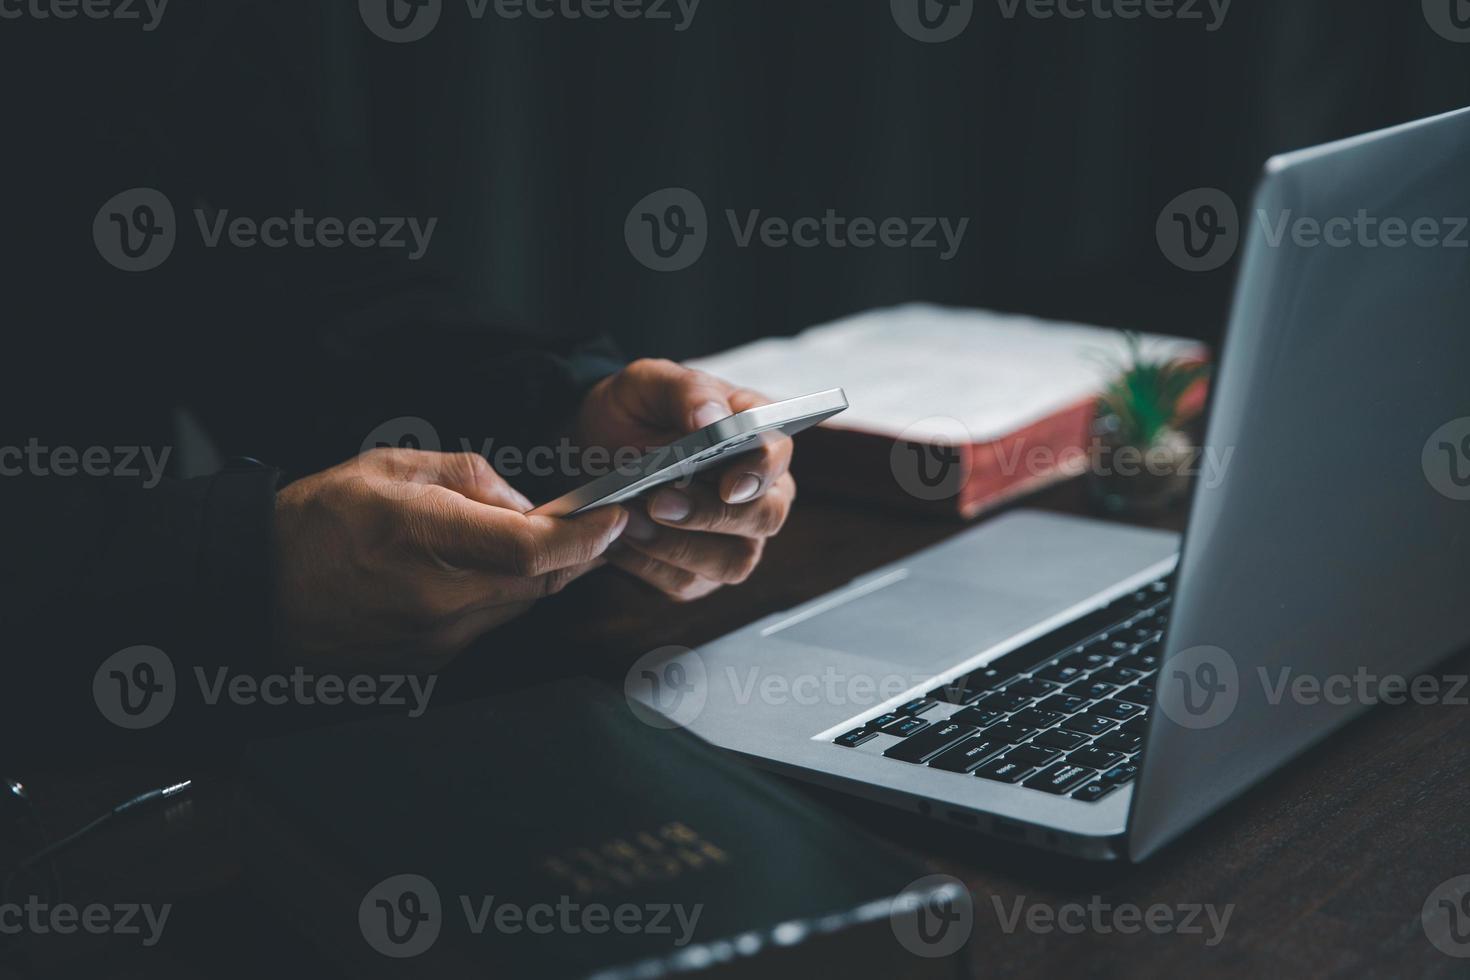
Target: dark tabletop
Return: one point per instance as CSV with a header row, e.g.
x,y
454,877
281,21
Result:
x,y
1324,869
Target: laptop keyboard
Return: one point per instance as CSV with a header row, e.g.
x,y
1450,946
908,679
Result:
x,y
1065,714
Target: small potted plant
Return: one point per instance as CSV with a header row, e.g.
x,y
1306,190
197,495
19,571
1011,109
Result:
x,y
1141,455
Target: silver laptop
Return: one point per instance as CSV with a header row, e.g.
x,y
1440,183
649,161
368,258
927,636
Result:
x,y
1097,689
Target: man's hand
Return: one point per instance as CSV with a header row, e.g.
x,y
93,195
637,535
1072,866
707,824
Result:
x,y
401,556
688,541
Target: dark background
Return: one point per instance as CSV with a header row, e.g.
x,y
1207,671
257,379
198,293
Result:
x,y
1061,140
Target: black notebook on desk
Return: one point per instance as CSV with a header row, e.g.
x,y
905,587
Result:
x,y
551,833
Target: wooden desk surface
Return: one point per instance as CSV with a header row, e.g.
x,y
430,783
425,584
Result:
x,y
1324,868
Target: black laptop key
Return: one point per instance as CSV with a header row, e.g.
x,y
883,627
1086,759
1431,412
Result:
x,y
921,748
1058,739
884,720
1094,791
1008,733
1115,675
1034,718
1003,770
1122,773
1121,710
1120,741
1141,662
916,707
1043,648
1063,777
1090,688
1067,704
1136,726
1090,757
955,694
1001,701
1059,673
1031,687
855,737
969,755
906,726
1138,694
979,717
1088,724
1085,660
1031,754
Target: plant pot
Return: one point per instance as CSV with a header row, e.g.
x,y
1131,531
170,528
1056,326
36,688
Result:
x,y
1130,479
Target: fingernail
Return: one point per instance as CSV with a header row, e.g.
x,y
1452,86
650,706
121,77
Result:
x,y
621,525
709,413
745,488
640,528
670,505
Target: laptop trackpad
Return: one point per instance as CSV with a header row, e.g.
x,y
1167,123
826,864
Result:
x,y
921,623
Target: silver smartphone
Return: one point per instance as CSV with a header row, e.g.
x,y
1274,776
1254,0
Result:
x,y
710,446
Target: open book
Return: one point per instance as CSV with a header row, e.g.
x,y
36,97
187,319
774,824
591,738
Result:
x,y
950,409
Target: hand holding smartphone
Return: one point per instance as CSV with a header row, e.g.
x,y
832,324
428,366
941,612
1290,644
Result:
x,y
711,446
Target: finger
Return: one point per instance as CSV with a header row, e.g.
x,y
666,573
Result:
x,y
676,583
752,474
473,535
717,557
699,508
669,395
472,476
